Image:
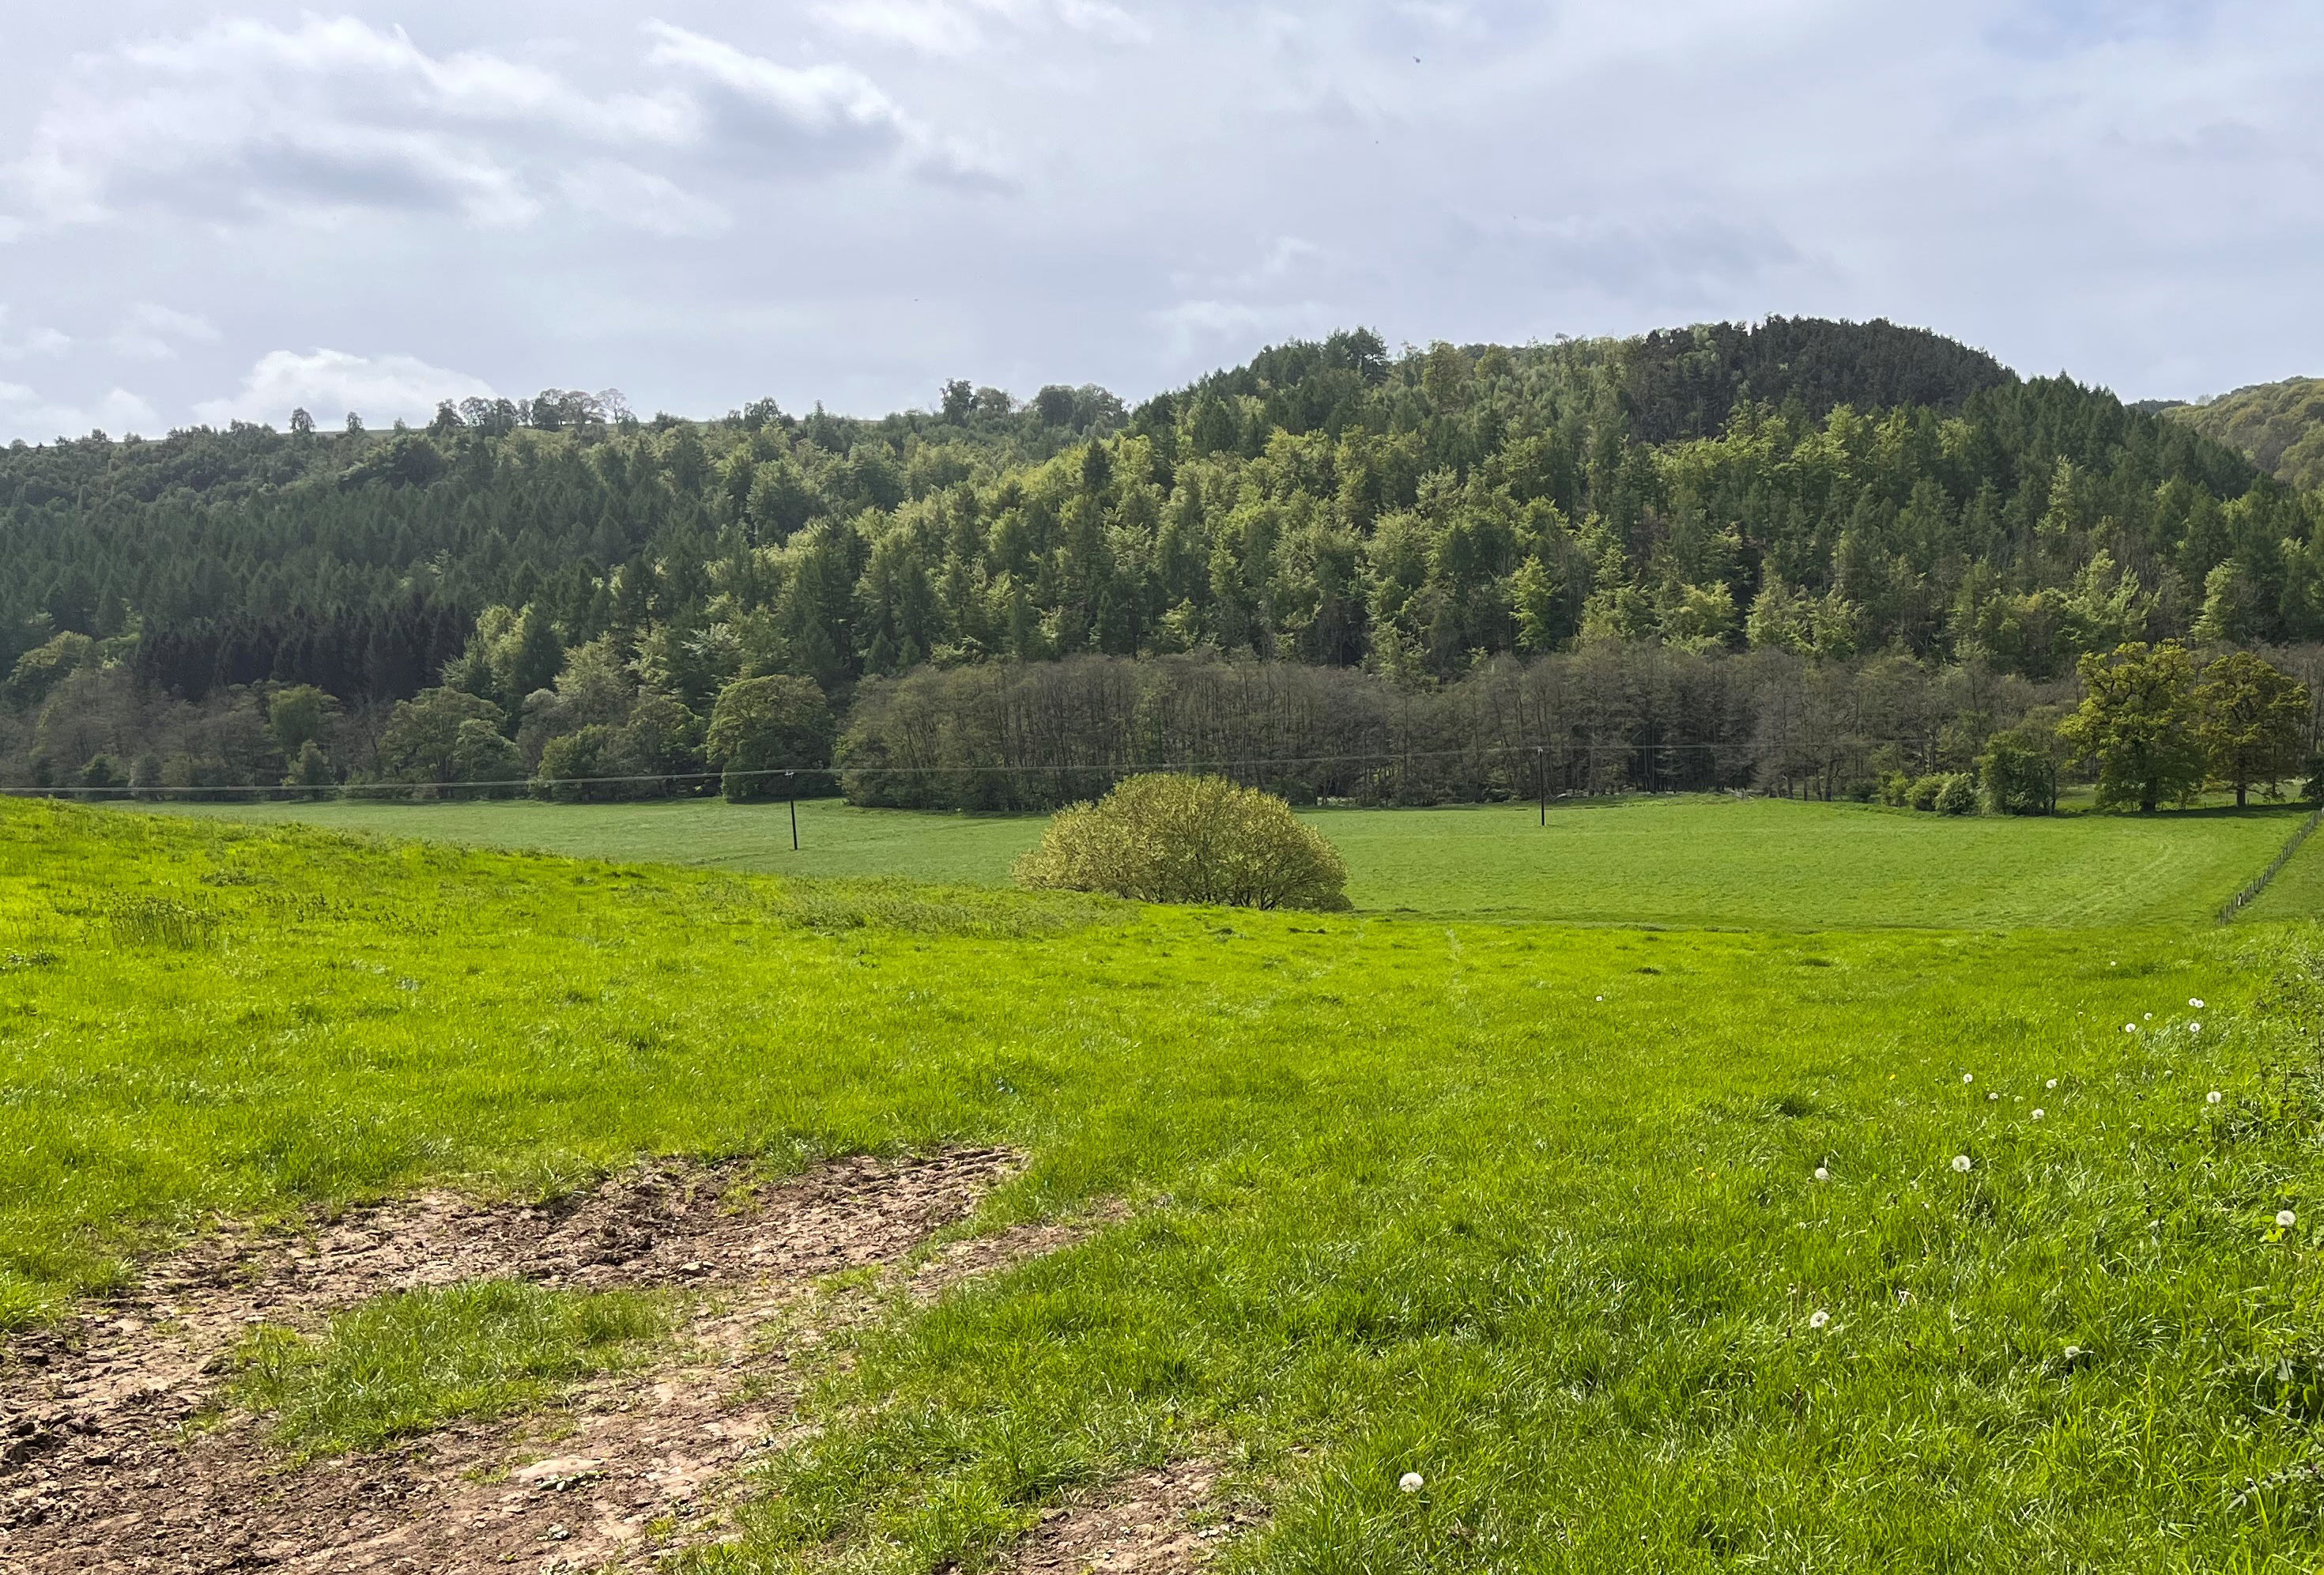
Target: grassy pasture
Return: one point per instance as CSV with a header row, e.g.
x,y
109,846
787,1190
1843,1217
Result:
x,y
1526,1209
1687,861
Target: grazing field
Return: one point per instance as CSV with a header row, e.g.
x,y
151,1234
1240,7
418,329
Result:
x,y
1530,1211
1684,861
2297,890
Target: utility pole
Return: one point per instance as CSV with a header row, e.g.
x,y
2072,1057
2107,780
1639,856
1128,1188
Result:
x,y
790,785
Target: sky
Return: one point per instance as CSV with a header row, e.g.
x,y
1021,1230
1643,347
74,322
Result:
x,y
217,214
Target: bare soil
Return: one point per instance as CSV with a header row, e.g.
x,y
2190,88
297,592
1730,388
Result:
x,y
1165,1521
100,1472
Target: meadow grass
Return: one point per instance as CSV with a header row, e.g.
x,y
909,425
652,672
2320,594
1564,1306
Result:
x,y
1690,861
2297,892
1529,1210
407,1362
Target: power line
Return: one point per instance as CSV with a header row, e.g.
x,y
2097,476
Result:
x,y
1543,753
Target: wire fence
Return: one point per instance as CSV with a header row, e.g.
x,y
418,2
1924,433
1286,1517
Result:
x,y
2250,893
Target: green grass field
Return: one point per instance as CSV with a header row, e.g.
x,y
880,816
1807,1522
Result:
x,y
1526,1207
2298,891
1690,861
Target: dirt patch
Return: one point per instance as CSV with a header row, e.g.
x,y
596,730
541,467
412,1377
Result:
x,y
99,1473
1164,1522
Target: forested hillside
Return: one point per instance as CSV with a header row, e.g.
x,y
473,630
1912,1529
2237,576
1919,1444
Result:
x,y
2278,426
1825,493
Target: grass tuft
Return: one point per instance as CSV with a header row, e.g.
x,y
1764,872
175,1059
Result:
x,y
409,1363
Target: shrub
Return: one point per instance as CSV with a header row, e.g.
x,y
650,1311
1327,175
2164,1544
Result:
x,y
1923,793
1958,795
1163,839
2019,781
1896,789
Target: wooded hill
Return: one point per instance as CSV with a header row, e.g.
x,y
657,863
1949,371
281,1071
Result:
x,y
1830,489
2278,426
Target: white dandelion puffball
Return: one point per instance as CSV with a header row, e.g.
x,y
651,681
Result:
x,y
2051,1084
2149,1016
2212,1097
2073,1351
1601,997
2194,1028
1817,1319
1822,1174
1989,1099
2037,1112
1968,1077
2287,1219
1410,1482
2195,1002
1961,1163
2130,1028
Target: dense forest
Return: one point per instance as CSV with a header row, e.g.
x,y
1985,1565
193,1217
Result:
x,y
2278,426
1714,522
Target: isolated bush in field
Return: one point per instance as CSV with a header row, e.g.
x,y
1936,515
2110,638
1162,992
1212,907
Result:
x,y
1958,796
1166,838
775,724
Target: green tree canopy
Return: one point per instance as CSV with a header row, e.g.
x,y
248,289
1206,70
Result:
x,y
427,740
2255,722
2138,724
773,724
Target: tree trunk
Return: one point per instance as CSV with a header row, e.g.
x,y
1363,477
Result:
x,y
2241,800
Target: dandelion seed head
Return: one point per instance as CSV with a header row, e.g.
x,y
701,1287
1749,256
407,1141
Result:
x,y
2195,1001
1989,1099
1961,1163
2051,1084
1968,1077
1821,1174
2194,1028
2037,1112
1817,1319
2212,1097
1410,1482
2286,1219
2130,1028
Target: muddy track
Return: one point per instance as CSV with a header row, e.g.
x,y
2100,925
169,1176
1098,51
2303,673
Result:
x,y
98,1471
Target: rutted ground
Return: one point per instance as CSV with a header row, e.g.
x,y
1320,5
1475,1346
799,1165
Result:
x,y
101,1472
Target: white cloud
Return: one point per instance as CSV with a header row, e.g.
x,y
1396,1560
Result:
x,y
151,333
25,414
329,383
41,342
1205,328
960,27
819,117
624,194
248,120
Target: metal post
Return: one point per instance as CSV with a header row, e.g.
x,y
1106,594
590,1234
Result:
x,y
790,781
1541,776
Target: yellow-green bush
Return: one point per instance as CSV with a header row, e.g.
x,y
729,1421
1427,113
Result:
x,y
1164,838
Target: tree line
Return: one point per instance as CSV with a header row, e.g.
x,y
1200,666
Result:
x,y
1792,494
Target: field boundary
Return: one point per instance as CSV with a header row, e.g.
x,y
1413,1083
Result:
x,y
2250,893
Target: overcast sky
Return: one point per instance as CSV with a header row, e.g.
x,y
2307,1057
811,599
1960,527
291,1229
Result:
x,y
207,214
